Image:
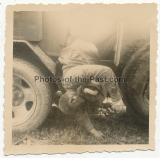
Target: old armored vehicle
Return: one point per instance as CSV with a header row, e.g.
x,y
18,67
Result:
x,y
121,34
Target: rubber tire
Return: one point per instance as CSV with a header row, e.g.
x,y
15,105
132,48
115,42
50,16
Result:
x,y
43,95
136,73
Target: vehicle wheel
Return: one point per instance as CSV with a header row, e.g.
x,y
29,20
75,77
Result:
x,y
136,88
31,101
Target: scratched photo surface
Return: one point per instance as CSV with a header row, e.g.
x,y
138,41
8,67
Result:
x,y
80,75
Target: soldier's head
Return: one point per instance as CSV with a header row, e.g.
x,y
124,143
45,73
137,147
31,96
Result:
x,y
70,102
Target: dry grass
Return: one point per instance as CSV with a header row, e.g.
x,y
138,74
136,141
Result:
x,y
61,129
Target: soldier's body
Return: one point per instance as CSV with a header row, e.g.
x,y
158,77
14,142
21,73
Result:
x,y
79,60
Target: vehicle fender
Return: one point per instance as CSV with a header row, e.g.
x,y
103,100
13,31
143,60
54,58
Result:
x,y
37,51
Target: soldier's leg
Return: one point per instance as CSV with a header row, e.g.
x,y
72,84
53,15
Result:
x,y
114,91
108,86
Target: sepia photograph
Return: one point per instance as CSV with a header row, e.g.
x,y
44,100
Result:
x,y
81,74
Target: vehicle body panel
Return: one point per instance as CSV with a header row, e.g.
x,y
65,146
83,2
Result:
x,y
96,23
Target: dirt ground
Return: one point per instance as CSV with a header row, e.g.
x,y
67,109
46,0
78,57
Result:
x,y
59,129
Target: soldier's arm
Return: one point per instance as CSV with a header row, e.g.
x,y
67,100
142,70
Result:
x,y
83,120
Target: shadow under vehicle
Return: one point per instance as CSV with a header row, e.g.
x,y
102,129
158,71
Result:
x,y
121,34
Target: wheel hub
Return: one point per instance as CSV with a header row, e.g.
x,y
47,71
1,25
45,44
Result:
x,y
23,100
18,96
146,94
